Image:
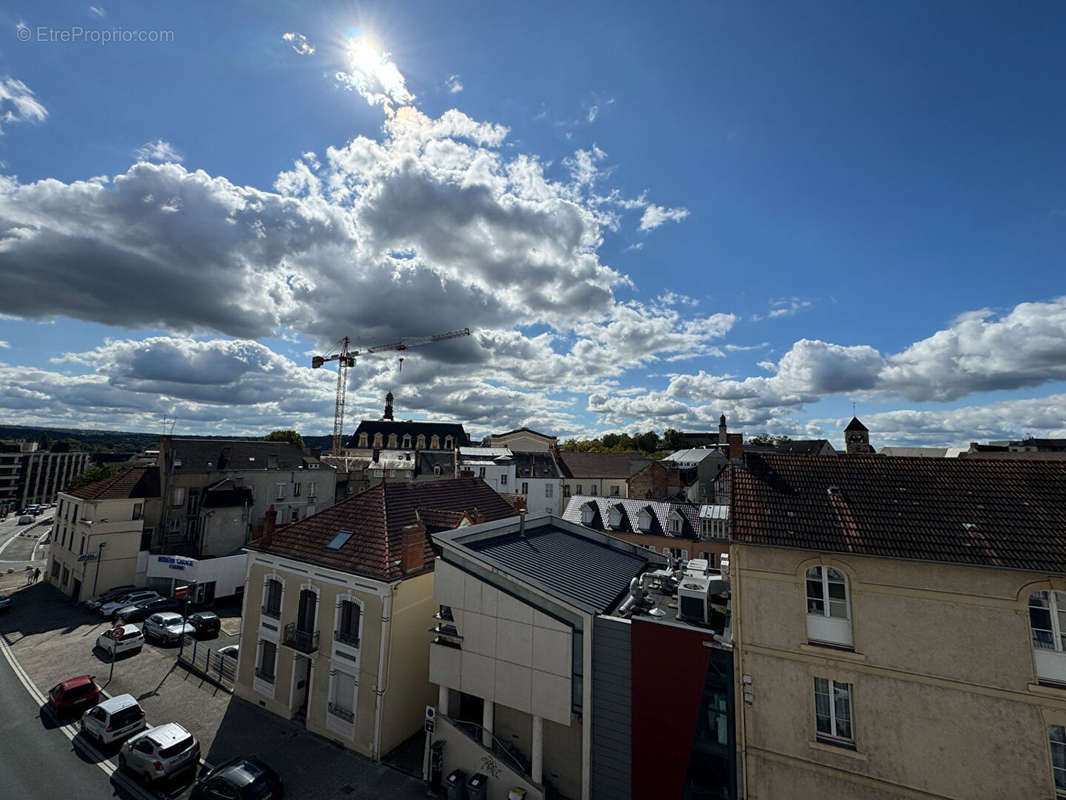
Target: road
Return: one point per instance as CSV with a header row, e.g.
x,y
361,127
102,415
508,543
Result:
x,y
19,547
38,761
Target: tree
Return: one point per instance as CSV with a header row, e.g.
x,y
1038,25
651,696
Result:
x,y
672,440
647,442
285,436
768,438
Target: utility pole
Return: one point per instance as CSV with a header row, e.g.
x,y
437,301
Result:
x,y
99,556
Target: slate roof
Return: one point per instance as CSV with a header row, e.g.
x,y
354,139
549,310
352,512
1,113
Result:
x,y
582,571
427,460
631,508
536,465
1002,513
522,430
807,447
139,482
412,427
855,425
219,455
376,517
601,465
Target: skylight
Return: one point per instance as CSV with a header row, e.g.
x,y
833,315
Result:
x,y
338,541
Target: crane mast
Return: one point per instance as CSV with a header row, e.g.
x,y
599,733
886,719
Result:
x,y
345,358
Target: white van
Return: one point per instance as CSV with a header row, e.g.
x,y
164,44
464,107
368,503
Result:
x,y
113,720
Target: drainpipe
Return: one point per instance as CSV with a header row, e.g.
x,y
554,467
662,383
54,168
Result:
x,y
386,641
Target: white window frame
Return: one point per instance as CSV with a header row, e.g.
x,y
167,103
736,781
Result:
x,y
312,489
177,497
823,626
834,735
420,442
261,685
1057,742
296,489
407,441
503,479
1049,656
334,721
378,440
279,491
448,442
364,440
268,633
393,442
351,648
434,442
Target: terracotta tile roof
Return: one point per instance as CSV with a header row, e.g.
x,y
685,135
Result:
x,y
132,483
1009,513
376,518
601,465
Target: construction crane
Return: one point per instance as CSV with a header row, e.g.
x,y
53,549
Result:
x,y
345,358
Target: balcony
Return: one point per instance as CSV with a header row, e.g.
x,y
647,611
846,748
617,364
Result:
x,y
273,613
346,637
304,641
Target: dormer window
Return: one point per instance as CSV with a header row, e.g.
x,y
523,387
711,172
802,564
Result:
x,y
363,440
614,518
407,441
420,442
588,514
448,441
392,441
378,440
434,443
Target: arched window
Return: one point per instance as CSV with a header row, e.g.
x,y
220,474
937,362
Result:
x,y
434,443
392,441
407,441
363,440
377,440
420,442
1047,620
828,607
448,442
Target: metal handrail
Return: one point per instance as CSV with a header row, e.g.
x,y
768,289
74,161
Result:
x,y
499,747
304,641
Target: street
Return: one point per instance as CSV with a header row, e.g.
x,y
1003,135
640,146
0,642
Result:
x,y
19,547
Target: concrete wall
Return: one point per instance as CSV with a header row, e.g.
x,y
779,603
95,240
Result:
x,y
537,499
945,700
602,486
461,751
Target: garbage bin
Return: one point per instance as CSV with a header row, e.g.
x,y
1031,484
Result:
x,y
476,786
455,785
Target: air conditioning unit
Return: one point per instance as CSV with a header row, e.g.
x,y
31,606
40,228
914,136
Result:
x,y
695,593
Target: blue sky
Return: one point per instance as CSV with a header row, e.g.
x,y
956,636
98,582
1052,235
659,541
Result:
x,y
647,216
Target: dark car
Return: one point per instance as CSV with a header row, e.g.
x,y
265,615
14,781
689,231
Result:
x,y
114,593
74,695
206,623
138,612
244,778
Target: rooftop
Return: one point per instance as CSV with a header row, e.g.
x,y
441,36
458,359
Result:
x,y
630,517
1008,513
139,482
601,465
218,455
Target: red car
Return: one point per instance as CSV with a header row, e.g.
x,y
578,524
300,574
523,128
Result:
x,y
74,695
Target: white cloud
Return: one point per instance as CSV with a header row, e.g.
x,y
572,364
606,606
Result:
x,y
654,216
372,73
454,84
18,103
784,307
593,113
159,150
4,345
97,11
299,44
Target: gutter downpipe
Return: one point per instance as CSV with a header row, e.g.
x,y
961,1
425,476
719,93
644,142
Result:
x,y
386,640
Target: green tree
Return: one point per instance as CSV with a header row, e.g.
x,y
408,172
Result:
x,y
672,440
647,442
285,436
768,438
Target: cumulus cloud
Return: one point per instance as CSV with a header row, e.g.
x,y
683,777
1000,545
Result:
x,y
18,103
298,42
454,84
159,150
4,345
372,73
654,216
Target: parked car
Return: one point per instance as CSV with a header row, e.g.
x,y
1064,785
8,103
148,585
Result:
x,y
121,639
26,520
160,752
5,602
73,695
230,650
239,779
167,627
113,720
138,612
206,623
113,593
110,608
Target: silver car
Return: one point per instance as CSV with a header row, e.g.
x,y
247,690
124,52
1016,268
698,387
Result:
x,y
160,752
167,626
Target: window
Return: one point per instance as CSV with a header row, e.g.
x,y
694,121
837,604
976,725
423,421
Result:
x,y
138,510
579,489
279,491
549,490
348,614
614,491
272,598
481,472
377,440
675,525
566,490
312,489
503,479
434,442
420,442
407,441
525,487
272,462
828,620
1057,735
177,496
268,654
1047,618
363,440
832,712
392,441
342,695
448,442
592,491
146,539
296,489
55,569
66,575
81,548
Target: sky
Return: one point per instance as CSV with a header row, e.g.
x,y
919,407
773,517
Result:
x,y
648,216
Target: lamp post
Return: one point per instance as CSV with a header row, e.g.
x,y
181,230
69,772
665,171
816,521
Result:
x,y
190,588
99,556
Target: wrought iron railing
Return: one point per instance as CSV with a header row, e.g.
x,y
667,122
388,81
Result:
x,y
348,637
304,641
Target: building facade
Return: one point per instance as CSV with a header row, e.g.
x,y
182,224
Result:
x,y
896,627
29,476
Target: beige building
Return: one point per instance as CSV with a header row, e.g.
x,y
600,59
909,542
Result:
x,y
523,440
336,609
899,627
99,532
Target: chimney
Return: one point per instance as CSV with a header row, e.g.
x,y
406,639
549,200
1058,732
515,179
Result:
x,y
414,546
376,455
522,525
736,446
269,521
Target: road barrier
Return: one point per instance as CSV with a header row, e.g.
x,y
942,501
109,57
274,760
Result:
x,y
218,668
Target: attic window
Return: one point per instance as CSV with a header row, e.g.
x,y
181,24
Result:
x,y
339,540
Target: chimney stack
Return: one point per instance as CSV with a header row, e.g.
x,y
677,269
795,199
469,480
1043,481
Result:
x,y
269,522
414,546
376,455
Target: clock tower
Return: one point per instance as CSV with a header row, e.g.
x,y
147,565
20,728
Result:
x,y
857,438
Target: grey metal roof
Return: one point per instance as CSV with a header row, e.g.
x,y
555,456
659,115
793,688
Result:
x,y
581,571
220,455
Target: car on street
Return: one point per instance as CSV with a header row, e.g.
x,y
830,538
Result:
x,y
5,602
167,627
138,612
160,752
113,593
239,779
26,520
73,695
121,639
113,720
230,650
206,623
110,608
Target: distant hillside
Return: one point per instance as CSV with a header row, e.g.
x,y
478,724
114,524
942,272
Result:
x,y
117,441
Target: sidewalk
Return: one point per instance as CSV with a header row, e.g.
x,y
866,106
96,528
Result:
x,y
53,639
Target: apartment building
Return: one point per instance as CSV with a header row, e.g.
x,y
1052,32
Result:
x,y
336,608
99,532
29,476
898,627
